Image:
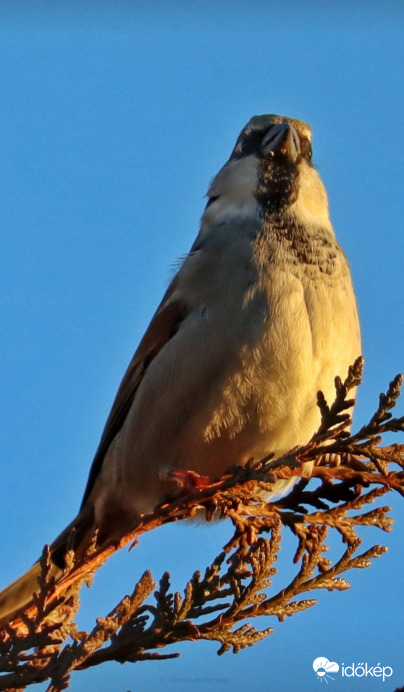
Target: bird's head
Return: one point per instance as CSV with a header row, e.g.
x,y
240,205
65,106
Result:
x,y
270,167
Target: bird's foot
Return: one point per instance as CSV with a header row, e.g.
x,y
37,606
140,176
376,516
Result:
x,y
189,481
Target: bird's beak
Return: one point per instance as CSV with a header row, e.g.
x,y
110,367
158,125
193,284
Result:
x,y
282,138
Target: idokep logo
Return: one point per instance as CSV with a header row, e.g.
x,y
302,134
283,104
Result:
x,y
363,670
323,667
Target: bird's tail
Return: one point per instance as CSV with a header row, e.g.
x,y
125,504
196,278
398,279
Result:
x,y
19,594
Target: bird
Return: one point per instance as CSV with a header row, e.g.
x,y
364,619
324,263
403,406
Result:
x,y
259,317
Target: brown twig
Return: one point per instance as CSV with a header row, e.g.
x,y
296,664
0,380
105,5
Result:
x,y
352,471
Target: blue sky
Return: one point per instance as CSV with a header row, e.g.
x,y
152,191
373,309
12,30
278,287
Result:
x,y
113,119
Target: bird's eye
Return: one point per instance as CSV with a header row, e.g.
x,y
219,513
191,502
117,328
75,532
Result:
x,y
310,152
211,200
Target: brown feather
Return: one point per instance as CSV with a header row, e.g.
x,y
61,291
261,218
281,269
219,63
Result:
x,y
162,328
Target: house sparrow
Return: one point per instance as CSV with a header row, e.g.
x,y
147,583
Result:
x,y
260,316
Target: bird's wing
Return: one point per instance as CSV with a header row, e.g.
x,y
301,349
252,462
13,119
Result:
x,y
164,325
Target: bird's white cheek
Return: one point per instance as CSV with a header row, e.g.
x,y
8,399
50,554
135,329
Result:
x,y
309,215
311,206
225,209
232,193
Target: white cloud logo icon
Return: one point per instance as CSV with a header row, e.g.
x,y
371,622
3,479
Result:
x,y
323,667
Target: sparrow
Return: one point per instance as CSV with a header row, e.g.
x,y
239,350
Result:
x,y
260,316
